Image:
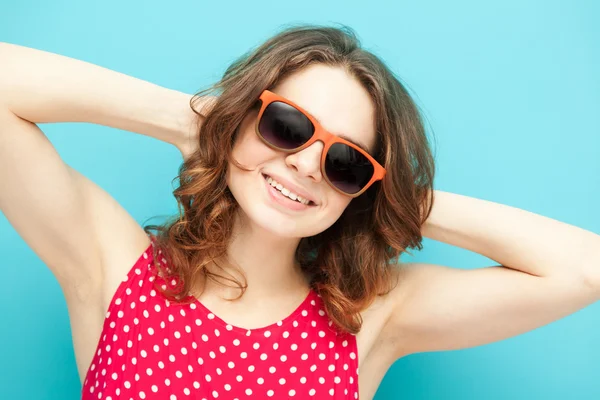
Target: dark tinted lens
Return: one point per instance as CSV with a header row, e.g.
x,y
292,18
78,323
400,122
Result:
x,y
284,126
347,169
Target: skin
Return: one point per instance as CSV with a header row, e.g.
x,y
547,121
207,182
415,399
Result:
x,y
546,269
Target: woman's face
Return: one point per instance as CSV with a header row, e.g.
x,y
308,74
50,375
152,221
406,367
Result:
x,y
343,107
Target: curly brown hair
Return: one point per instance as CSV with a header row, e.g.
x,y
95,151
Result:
x,y
350,262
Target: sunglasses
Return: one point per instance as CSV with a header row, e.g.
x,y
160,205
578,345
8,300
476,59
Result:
x,y
284,126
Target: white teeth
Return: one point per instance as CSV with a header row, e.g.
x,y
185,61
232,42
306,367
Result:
x,y
286,192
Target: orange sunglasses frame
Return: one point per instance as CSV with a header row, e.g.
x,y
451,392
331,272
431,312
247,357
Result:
x,y
267,97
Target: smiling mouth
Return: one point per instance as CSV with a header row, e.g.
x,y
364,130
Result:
x,y
309,204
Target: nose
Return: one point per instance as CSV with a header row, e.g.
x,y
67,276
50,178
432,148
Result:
x,y
307,162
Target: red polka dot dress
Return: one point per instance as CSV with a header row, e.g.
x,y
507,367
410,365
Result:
x,y
151,348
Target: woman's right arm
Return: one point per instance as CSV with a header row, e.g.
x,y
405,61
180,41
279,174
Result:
x,y
79,231
39,87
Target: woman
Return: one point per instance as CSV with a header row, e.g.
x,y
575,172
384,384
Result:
x,y
306,173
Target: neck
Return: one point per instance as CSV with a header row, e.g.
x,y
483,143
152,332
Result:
x,y
266,261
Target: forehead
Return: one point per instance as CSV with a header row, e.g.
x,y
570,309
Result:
x,y
336,99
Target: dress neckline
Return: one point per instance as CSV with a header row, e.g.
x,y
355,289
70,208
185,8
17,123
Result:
x,y
309,301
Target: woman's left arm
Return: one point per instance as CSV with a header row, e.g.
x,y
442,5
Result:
x,y
548,269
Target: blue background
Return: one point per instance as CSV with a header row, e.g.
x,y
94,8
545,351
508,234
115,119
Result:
x,y
511,90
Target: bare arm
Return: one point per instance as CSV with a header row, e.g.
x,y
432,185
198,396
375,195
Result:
x,y
78,230
41,87
548,270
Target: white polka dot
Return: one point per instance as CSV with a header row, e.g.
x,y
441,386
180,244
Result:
x,y
248,391
292,392
236,342
149,371
337,379
198,322
272,370
143,353
215,394
157,308
205,338
207,377
331,391
219,372
304,335
186,391
321,380
303,380
156,348
239,378
282,381
294,346
188,329
270,393
311,392
167,382
150,331
345,343
255,346
263,356
293,370
331,368
321,334
313,368
177,334
142,395
260,381
244,354
114,376
222,349
183,351
251,368
212,354
227,387
142,298
283,358
178,374
267,333
230,364
304,356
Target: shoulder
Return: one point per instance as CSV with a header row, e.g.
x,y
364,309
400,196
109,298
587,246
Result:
x,y
381,320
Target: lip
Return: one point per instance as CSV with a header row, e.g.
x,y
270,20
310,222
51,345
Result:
x,y
292,187
282,201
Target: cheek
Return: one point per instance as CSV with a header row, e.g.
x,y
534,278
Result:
x,y
249,149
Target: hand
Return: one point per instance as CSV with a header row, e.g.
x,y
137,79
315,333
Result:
x,y
191,130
